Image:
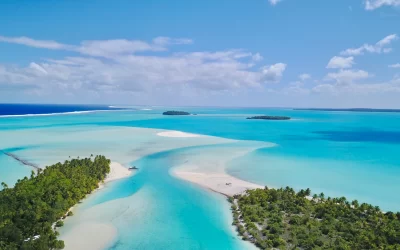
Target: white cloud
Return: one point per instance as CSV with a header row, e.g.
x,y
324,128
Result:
x,y
379,47
347,76
257,57
117,66
102,48
375,4
387,40
38,68
110,48
44,44
274,2
396,66
338,62
356,89
165,41
324,88
304,77
273,73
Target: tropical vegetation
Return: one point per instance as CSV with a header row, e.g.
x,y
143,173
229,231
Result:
x,y
29,210
173,112
284,219
269,117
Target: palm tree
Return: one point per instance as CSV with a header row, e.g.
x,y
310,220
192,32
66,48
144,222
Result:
x,y
308,192
355,204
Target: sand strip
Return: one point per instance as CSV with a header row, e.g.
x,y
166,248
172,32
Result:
x,y
117,171
177,134
218,182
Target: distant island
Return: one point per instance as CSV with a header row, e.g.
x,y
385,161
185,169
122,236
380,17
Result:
x,y
33,209
268,117
173,112
284,219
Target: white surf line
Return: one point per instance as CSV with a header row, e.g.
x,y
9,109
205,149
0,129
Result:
x,y
64,113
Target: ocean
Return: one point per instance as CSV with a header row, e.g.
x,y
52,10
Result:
x,y
340,153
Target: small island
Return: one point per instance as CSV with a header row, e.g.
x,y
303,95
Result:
x,y
31,211
173,112
268,117
284,219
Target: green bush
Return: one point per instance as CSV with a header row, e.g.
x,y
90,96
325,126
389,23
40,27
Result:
x,y
59,223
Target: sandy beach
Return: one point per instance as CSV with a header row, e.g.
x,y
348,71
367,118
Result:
x,y
117,171
83,235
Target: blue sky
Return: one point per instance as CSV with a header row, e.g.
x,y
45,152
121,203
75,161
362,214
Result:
x,y
292,53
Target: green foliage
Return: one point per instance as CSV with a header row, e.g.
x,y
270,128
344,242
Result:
x,y
31,207
59,223
268,117
285,219
173,112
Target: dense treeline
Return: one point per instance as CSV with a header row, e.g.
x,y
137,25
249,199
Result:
x,y
268,117
173,112
28,210
285,219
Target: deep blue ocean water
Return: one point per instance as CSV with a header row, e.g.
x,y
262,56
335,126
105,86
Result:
x,y
340,153
34,109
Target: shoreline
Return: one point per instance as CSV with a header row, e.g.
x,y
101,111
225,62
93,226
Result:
x,y
117,171
104,233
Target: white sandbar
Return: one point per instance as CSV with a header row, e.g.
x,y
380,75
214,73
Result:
x,y
218,181
176,134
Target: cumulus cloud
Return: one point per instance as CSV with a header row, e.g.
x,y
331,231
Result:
x,y
304,77
338,62
118,65
375,4
392,86
379,47
347,76
396,66
257,57
273,73
38,68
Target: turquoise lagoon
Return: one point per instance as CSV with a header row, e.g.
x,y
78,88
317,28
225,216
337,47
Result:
x,y
352,154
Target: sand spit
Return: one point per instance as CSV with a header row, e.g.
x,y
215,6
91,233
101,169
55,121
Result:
x,y
117,171
177,134
217,182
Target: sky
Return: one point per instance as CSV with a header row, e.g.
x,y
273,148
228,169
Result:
x,y
264,53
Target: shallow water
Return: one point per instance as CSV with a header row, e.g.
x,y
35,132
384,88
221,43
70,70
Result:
x,y
168,213
339,153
